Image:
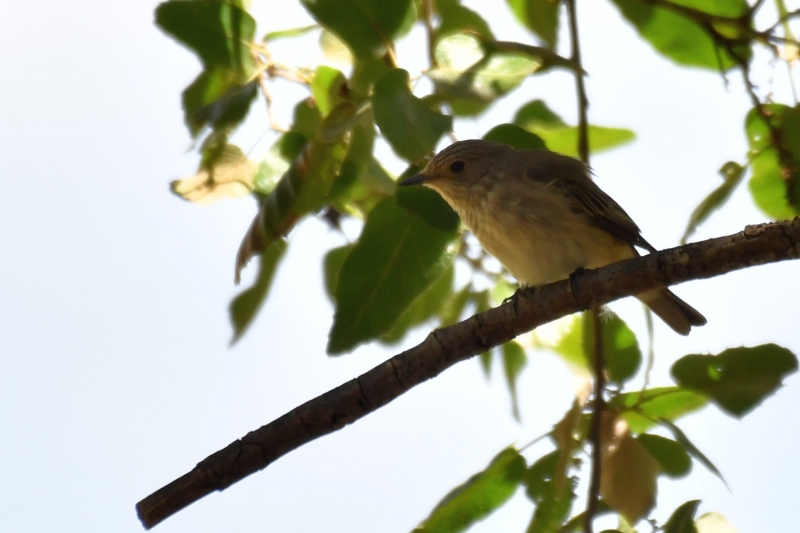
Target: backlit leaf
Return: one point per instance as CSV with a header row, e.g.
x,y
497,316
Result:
x,y
478,497
682,520
673,460
732,174
514,361
620,347
539,16
229,175
642,410
553,503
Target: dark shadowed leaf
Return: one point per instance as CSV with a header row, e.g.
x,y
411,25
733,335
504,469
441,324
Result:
x,y
466,70
620,347
423,308
560,137
693,450
514,361
368,27
245,306
216,99
732,174
673,461
220,32
396,258
552,505
642,410
738,379
513,135
479,496
429,206
679,37
775,183
539,16
409,125
332,264
682,520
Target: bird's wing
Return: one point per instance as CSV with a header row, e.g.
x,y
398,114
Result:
x,y
604,212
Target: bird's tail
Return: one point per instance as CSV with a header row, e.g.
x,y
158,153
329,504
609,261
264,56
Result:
x,y
677,314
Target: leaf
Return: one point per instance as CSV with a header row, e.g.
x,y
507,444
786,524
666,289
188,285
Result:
x,y
682,520
398,255
680,38
466,70
513,135
738,379
221,33
673,460
642,410
732,174
246,304
775,183
479,496
428,205
326,88
567,436
411,128
560,137
620,347
423,308
451,312
331,265
514,361
368,27
456,18
291,32
228,175
576,523
628,479
539,16
301,190
693,450
553,503
217,99
713,523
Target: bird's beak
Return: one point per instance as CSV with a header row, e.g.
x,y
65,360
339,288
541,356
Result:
x,y
419,179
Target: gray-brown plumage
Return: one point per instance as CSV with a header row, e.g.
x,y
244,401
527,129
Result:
x,y
541,215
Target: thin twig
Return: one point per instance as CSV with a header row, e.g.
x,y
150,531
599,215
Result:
x,y
427,7
599,365
583,102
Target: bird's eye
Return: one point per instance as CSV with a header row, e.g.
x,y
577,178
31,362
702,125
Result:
x,y
457,166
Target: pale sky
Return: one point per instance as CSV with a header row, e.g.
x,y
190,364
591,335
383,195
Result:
x,y
117,377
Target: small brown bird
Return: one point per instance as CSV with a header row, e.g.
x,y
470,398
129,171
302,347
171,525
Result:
x,y
541,215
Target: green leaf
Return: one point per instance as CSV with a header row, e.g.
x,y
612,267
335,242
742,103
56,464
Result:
x,y
451,312
775,184
398,255
466,70
552,508
738,379
513,135
479,496
428,205
456,18
514,361
560,137
539,16
713,523
410,126
620,347
682,520
672,458
368,27
693,450
641,410
292,32
221,33
326,88
245,306
332,264
217,99
570,346
575,524
732,174
680,38
721,8
423,308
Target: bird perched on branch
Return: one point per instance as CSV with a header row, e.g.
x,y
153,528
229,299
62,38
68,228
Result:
x,y
541,215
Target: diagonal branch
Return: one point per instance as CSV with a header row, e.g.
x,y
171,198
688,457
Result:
x,y
756,245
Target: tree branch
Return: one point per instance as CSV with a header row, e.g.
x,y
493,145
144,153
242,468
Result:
x,y
756,245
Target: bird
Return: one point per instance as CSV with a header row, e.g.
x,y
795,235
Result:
x,y
542,216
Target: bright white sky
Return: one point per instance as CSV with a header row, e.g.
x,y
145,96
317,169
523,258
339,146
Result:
x,y
117,376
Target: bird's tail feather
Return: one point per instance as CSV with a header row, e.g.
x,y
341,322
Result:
x,y
676,313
